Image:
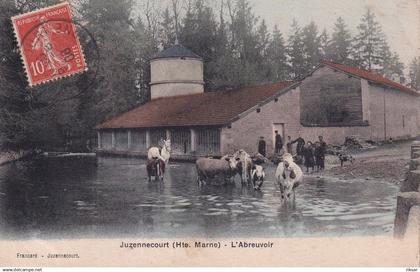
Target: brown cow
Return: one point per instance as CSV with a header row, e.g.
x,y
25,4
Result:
x,y
155,168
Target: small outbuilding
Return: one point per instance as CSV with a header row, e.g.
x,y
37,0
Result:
x,y
334,101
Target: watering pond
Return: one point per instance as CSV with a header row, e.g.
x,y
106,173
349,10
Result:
x,y
54,198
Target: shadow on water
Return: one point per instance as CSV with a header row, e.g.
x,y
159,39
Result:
x,y
111,197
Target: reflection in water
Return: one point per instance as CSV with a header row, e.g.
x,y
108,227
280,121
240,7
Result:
x,y
66,198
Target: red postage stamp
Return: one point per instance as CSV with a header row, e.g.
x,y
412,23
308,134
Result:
x,y
49,44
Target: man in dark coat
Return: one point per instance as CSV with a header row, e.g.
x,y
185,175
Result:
x,y
278,142
322,151
308,154
289,145
300,145
262,146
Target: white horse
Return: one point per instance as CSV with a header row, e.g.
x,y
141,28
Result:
x,y
163,155
288,176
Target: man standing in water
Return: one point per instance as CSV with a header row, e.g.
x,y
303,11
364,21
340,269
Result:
x,y
322,151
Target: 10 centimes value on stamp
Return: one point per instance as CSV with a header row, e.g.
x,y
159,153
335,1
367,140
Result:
x,y
49,44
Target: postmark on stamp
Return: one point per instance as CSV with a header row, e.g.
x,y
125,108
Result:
x,y
48,43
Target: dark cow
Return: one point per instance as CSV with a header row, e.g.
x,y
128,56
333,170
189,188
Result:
x,y
155,168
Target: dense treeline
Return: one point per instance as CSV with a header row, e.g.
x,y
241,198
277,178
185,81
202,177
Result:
x,y
119,37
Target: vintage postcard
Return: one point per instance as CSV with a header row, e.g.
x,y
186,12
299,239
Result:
x,y
210,133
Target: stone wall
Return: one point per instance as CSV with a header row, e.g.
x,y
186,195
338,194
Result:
x,y
245,132
407,216
399,120
330,97
370,117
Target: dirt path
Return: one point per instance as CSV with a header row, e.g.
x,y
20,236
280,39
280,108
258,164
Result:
x,y
388,162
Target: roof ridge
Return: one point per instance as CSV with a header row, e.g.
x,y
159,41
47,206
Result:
x,y
338,63
370,75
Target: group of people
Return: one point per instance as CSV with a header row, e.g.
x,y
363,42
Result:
x,y
310,154
314,154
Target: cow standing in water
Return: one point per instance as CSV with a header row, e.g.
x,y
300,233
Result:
x,y
288,176
244,166
164,154
155,168
223,169
257,176
157,159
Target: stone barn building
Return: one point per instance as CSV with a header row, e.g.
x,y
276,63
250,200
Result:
x,y
335,101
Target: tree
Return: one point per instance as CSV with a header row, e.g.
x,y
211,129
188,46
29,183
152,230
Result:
x,y
243,43
415,74
167,33
30,5
263,41
114,30
340,46
175,4
397,67
150,19
145,48
324,42
223,63
146,31
295,51
13,98
276,57
312,49
199,33
38,116
369,43
392,67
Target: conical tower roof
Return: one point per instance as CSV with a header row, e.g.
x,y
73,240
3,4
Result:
x,y
176,51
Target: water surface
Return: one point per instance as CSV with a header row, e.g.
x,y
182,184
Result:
x,y
73,198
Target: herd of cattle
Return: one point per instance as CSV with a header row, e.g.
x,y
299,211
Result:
x,y
288,174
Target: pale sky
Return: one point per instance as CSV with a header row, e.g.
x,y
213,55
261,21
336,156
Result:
x,y
400,19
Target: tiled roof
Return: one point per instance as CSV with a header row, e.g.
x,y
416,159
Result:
x,y
211,108
176,51
369,75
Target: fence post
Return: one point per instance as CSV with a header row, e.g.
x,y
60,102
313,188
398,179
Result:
x,y
147,139
193,140
113,142
129,140
99,139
